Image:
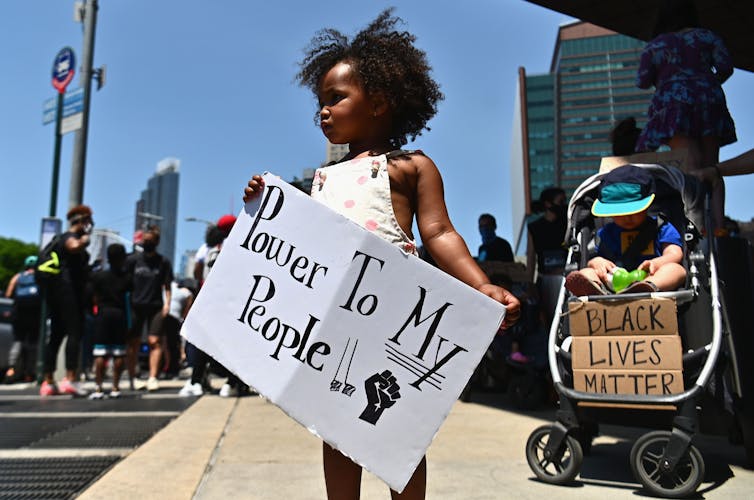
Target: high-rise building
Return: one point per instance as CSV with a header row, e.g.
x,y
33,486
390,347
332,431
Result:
x,y
335,152
563,118
158,205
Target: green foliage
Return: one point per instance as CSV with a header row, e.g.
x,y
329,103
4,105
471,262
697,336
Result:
x,y
12,255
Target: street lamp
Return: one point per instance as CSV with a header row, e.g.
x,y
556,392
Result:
x,y
196,219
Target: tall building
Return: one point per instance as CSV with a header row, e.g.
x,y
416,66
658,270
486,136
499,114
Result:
x,y
335,152
158,205
563,118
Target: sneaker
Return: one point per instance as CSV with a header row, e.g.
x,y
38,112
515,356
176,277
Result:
x,y
191,389
138,385
68,387
581,286
640,287
226,391
98,394
518,357
152,384
48,389
114,394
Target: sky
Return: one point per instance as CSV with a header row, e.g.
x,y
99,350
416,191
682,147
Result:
x,y
212,84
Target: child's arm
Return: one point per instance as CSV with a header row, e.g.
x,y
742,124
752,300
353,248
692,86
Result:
x,y
670,253
444,243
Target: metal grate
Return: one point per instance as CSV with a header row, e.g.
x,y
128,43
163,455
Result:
x,y
49,478
110,432
22,432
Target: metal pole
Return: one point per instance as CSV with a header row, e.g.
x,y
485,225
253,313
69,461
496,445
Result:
x,y
76,194
56,157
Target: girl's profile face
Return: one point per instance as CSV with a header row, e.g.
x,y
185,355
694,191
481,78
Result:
x,y
346,111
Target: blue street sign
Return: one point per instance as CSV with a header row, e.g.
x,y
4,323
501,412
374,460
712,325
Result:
x,y
63,69
73,102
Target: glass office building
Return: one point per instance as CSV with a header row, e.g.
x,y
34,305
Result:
x,y
565,116
158,206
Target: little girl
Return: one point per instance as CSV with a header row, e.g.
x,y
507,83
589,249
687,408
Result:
x,y
373,92
687,66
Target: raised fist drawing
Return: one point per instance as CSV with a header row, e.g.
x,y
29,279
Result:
x,y
382,392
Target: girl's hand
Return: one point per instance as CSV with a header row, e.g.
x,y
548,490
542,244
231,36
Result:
x,y
601,266
511,303
253,189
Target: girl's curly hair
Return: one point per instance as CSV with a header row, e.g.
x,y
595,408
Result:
x,y
387,63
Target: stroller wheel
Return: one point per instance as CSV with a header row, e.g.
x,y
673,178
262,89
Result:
x,y
559,468
680,482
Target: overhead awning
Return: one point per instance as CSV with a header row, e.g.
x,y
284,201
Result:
x,y
733,20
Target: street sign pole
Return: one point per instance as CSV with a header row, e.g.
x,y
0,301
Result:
x,y
56,157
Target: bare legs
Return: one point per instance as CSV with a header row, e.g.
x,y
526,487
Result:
x,y
343,478
155,355
704,153
99,366
670,276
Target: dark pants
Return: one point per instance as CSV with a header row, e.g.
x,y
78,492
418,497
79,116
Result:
x,y
67,318
171,328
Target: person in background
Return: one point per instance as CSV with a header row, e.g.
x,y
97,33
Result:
x,y
493,247
623,137
181,298
687,66
546,252
27,306
152,275
66,300
108,289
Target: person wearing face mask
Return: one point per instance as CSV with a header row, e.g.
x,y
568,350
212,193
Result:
x,y
66,301
151,275
546,250
493,247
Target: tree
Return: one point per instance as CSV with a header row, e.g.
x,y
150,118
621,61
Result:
x,y
12,255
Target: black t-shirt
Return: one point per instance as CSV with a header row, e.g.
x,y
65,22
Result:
x,y
149,274
74,267
109,288
548,239
498,249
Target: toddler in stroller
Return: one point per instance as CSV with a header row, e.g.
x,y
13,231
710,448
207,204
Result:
x,y
634,240
664,461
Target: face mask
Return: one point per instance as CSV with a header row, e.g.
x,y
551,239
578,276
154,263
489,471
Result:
x,y
488,234
148,246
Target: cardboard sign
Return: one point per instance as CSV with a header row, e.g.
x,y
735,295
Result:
x,y
364,345
649,382
629,352
623,317
676,158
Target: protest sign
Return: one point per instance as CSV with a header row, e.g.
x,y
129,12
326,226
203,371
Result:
x,y
364,345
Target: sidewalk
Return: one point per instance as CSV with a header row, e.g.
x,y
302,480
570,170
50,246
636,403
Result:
x,y
247,448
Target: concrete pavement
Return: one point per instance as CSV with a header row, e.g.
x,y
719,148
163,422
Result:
x,y
246,448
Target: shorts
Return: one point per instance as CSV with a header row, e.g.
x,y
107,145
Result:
x,y
109,332
114,350
149,316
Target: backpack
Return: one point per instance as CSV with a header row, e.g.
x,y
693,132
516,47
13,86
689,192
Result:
x,y
48,263
26,292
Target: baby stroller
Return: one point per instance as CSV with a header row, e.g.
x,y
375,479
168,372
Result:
x,y
664,460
